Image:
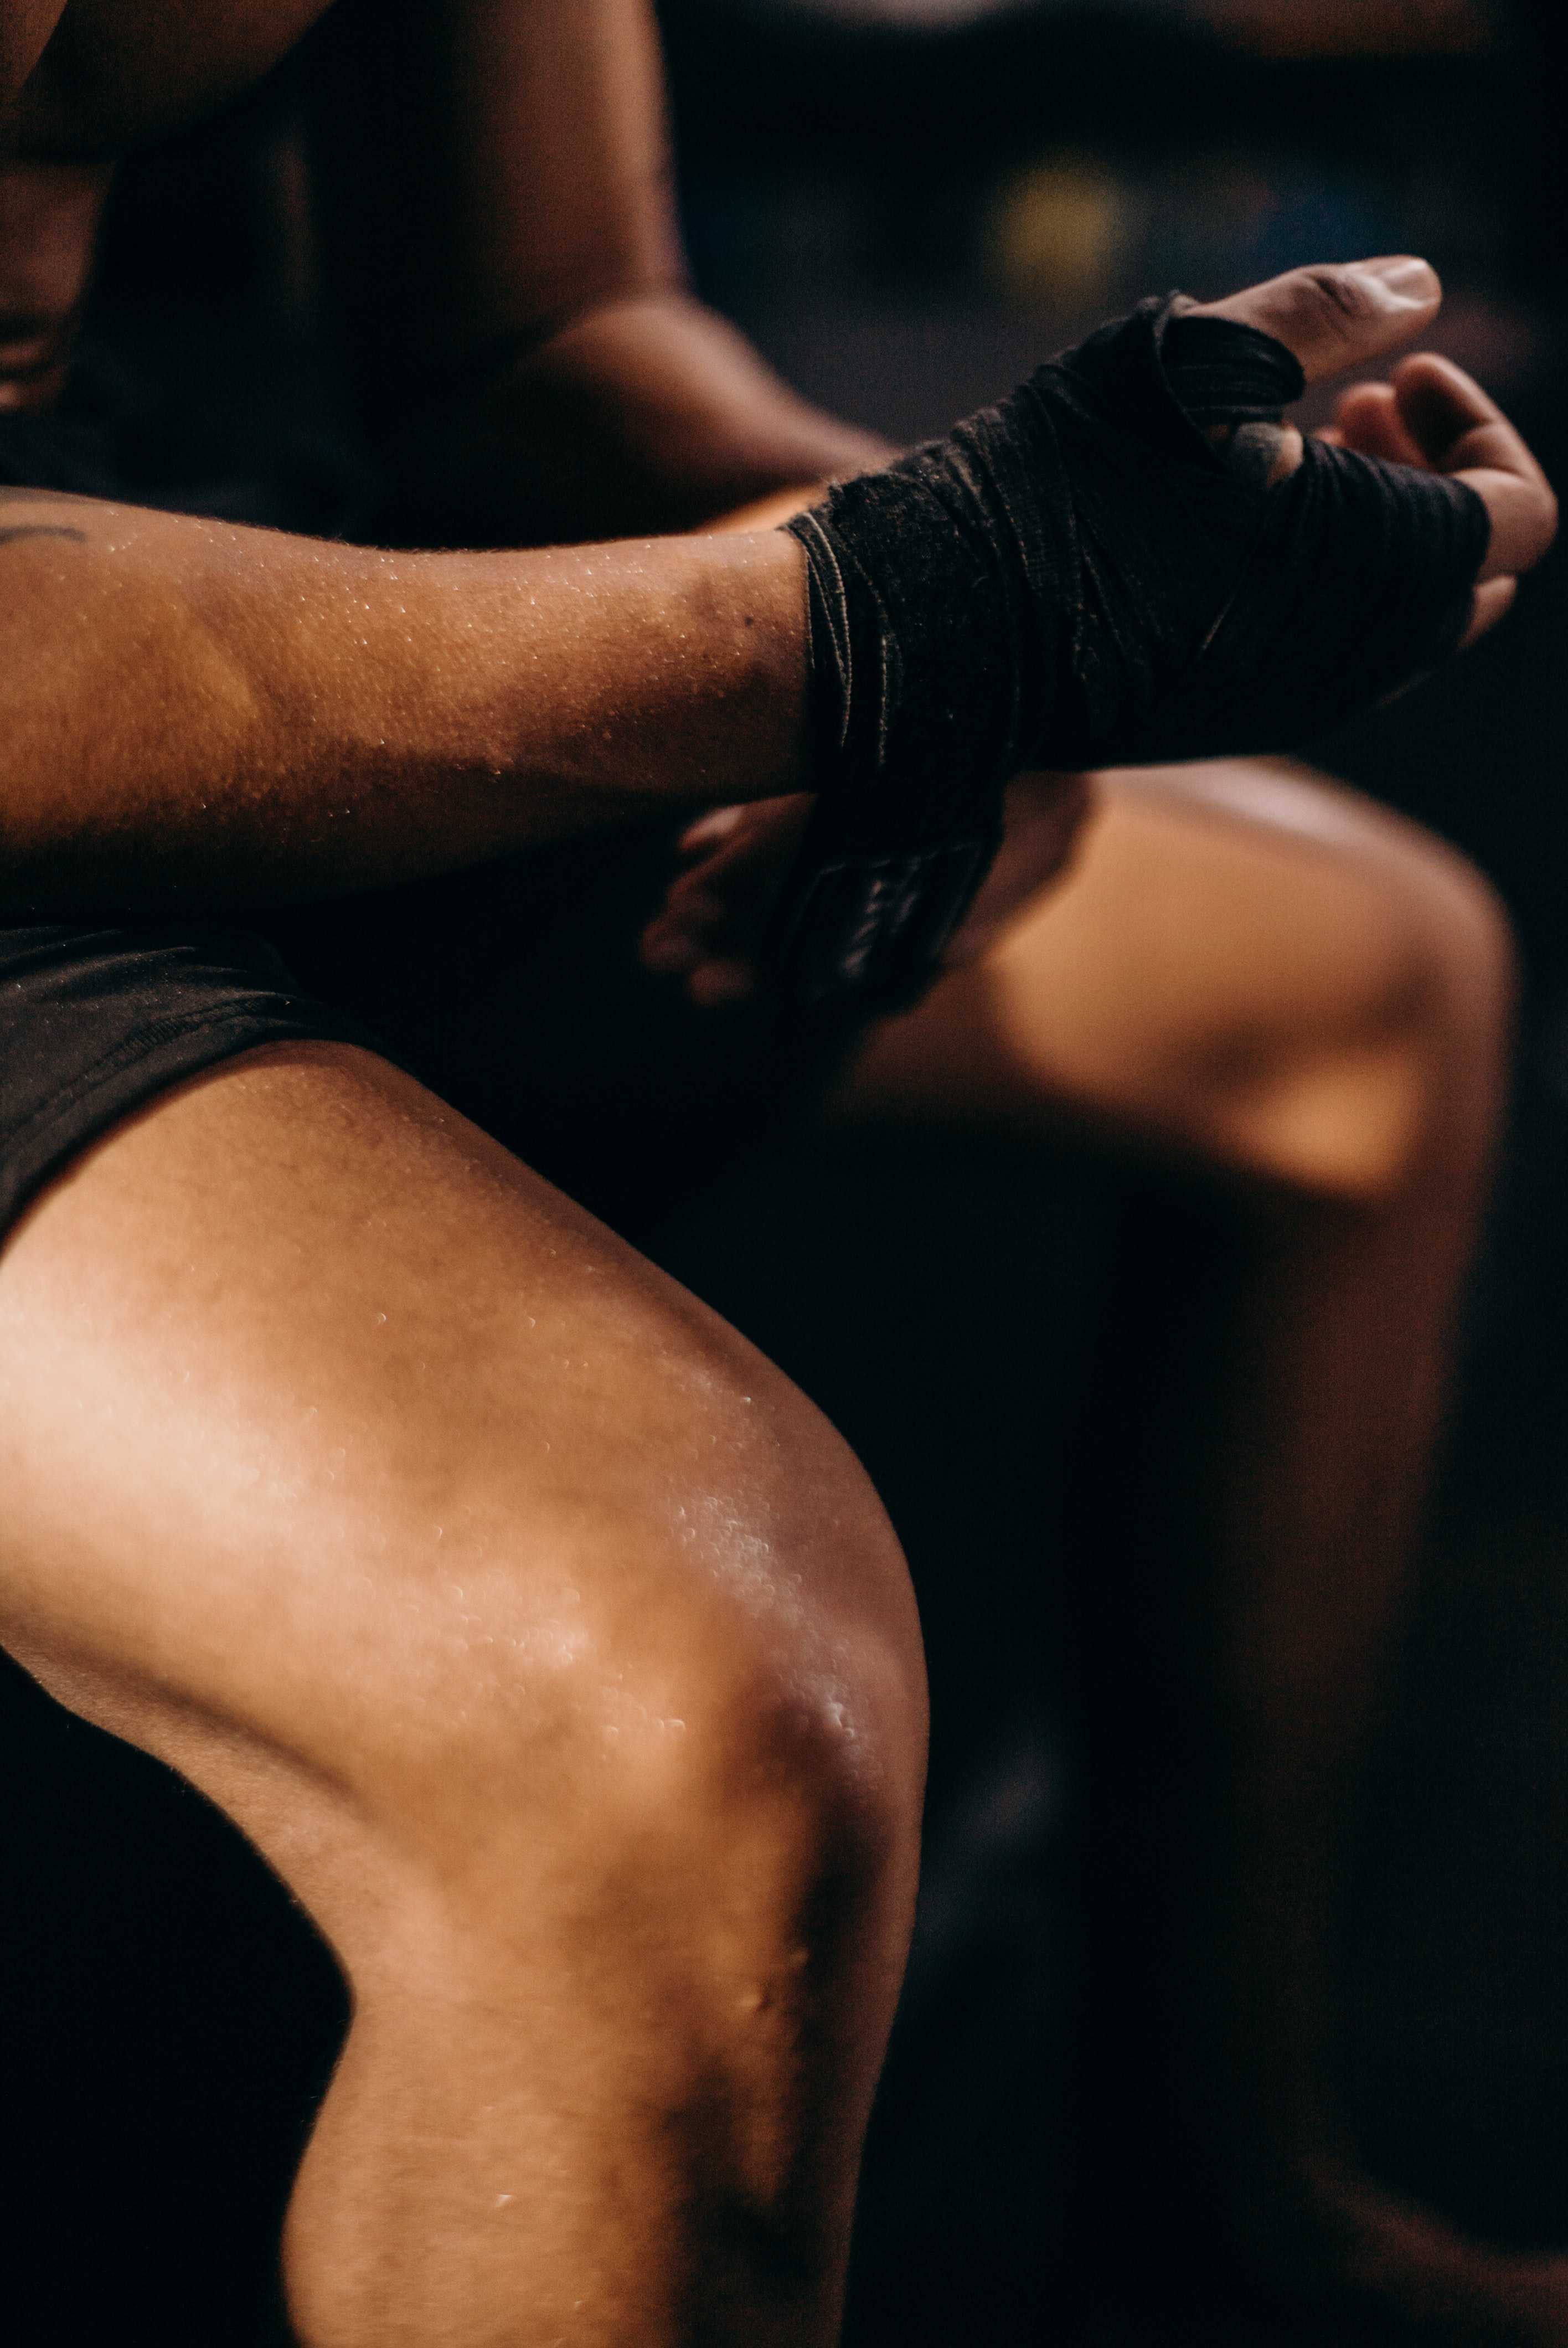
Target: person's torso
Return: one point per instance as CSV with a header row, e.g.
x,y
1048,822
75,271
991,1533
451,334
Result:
x,y
113,74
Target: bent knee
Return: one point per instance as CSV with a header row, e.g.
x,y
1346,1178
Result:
x,y
648,1680
1407,1080
705,1672
700,1790
1366,1042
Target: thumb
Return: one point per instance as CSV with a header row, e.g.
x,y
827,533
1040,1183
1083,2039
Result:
x,y
1341,314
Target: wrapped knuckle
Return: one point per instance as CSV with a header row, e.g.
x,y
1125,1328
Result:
x,y
912,679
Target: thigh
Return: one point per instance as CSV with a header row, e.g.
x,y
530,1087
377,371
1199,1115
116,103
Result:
x,y
1241,968
326,1426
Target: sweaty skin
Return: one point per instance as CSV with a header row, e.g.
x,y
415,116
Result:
x,y
455,706
553,1649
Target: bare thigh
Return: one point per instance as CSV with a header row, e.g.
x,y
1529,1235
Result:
x,y
359,1473
1248,966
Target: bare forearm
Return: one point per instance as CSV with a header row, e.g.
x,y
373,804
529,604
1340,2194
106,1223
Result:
x,y
196,711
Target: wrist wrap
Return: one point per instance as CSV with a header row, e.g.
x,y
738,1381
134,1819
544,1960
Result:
x,y
1080,577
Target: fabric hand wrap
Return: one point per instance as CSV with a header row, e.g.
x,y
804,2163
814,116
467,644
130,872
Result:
x,y
1083,577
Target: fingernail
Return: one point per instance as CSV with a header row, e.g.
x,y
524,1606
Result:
x,y
1406,279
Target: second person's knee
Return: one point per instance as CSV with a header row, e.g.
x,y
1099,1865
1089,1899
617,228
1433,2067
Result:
x,y
1383,1066
1446,1018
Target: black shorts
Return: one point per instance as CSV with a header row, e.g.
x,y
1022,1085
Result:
x,y
512,990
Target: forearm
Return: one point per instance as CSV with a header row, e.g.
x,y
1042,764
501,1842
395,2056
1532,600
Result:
x,y
193,711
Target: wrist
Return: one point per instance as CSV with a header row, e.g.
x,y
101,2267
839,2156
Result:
x,y
676,675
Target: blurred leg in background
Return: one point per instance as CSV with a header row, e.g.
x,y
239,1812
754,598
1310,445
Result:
x,y
1303,1004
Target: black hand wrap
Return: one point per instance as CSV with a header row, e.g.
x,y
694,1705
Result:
x,y
1081,578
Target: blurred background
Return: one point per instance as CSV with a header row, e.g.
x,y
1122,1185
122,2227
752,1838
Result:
x,y
909,202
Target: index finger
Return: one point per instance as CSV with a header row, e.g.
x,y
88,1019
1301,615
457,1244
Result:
x,y
1339,315
1463,433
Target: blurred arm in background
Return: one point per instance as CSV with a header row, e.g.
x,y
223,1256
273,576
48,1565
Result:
x,y
520,329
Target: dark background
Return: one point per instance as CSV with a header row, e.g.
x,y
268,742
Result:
x,y
905,216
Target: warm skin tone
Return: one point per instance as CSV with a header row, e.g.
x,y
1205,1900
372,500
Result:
x,y
1293,993
376,716
553,1649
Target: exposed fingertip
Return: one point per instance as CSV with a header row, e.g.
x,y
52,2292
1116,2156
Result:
x,y
1369,421
1425,382
1432,367
1523,520
1405,277
1363,395
1342,314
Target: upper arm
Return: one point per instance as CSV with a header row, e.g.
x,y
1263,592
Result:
x,y
27,27
487,168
